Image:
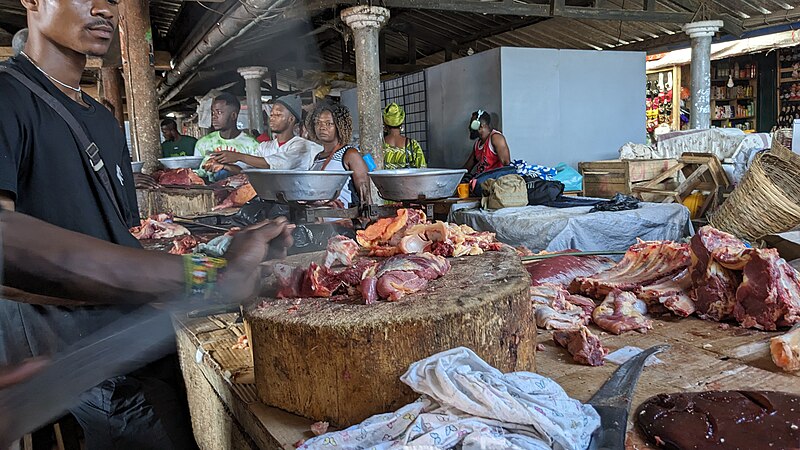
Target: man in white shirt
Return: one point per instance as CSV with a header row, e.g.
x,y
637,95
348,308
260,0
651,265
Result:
x,y
286,151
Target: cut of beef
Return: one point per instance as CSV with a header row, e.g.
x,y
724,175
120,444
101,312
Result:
x,y
715,291
584,346
401,275
644,263
553,310
341,249
710,243
769,296
179,177
289,280
669,295
160,227
238,197
397,284
564,268
620,312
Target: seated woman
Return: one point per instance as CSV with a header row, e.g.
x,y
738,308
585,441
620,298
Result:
x,y
491,149
400,152
331,125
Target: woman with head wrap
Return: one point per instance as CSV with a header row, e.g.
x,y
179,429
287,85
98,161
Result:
x,y
400,152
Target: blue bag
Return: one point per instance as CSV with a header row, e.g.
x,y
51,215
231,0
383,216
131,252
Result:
x,y
572,179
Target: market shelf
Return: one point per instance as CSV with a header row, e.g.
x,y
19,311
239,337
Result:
x,y
734,118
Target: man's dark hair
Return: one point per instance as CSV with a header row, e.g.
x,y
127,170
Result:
x,y
229,100
485,118
169,123
341,119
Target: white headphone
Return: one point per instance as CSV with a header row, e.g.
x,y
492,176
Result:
x,y
475,124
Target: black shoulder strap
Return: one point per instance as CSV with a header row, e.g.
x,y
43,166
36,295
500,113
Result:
x,y
94,160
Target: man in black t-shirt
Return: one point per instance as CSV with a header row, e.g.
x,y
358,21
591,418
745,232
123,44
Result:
x,y
45,173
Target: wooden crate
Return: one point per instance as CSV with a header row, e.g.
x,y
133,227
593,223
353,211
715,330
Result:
x,y
604,179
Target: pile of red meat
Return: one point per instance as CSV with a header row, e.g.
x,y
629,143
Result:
x,y
716,276
409,233
390,279
177,177
158,226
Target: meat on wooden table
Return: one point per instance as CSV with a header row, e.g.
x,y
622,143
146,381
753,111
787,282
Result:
x,y
563,269
769,296
669,295
620,312
584,346
644,263
785,350
178,177
557,309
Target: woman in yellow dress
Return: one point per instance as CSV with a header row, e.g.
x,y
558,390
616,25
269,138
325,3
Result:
x,y
400,152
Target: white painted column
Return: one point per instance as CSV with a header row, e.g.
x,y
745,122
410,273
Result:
x,y
366,23
701,34
252,86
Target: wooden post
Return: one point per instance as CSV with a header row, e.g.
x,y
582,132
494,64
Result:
x,y
136,44
111,79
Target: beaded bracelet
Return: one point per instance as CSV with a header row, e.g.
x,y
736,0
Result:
x,y
201,274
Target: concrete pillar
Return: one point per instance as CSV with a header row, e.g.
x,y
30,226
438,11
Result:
x,y
366,23
252,85
136,45
701,34
111,79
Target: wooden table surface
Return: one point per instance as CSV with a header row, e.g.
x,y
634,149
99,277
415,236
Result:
x,y
226,413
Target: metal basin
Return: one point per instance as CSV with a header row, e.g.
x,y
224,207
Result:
x,y
181,162
297,185
417,184
137,166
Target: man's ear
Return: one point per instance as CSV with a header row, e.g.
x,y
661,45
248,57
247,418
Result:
x,y
30,5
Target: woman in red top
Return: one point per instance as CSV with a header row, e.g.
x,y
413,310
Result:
x,y
491,149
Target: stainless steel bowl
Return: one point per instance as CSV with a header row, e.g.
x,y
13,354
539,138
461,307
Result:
x,y
417,184
297,185
181,162
137,166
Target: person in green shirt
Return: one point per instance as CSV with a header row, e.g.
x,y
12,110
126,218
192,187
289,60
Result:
x,y
175,144
400,152
227,138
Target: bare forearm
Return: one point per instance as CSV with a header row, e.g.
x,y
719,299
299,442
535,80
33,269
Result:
x,y
254,161
43,259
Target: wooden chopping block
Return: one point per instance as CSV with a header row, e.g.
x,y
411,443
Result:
x,y
177,201
342,363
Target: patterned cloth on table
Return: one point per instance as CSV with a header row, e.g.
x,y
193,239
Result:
x,y
543,172
469,404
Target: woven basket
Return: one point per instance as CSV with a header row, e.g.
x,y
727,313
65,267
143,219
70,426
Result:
x,y
767,200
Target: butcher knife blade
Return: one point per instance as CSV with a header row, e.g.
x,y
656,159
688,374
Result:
x,y
613,401
131,342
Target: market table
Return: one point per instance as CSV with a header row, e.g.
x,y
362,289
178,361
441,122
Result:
x,y
557,229
227,415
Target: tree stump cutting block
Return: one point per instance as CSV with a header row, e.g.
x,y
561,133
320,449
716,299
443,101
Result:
x,y
341,362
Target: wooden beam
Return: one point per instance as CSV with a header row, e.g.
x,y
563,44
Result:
x,y
625,15
412,47
730,24
505,8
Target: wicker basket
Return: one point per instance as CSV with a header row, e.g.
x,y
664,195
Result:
x,y
767,200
